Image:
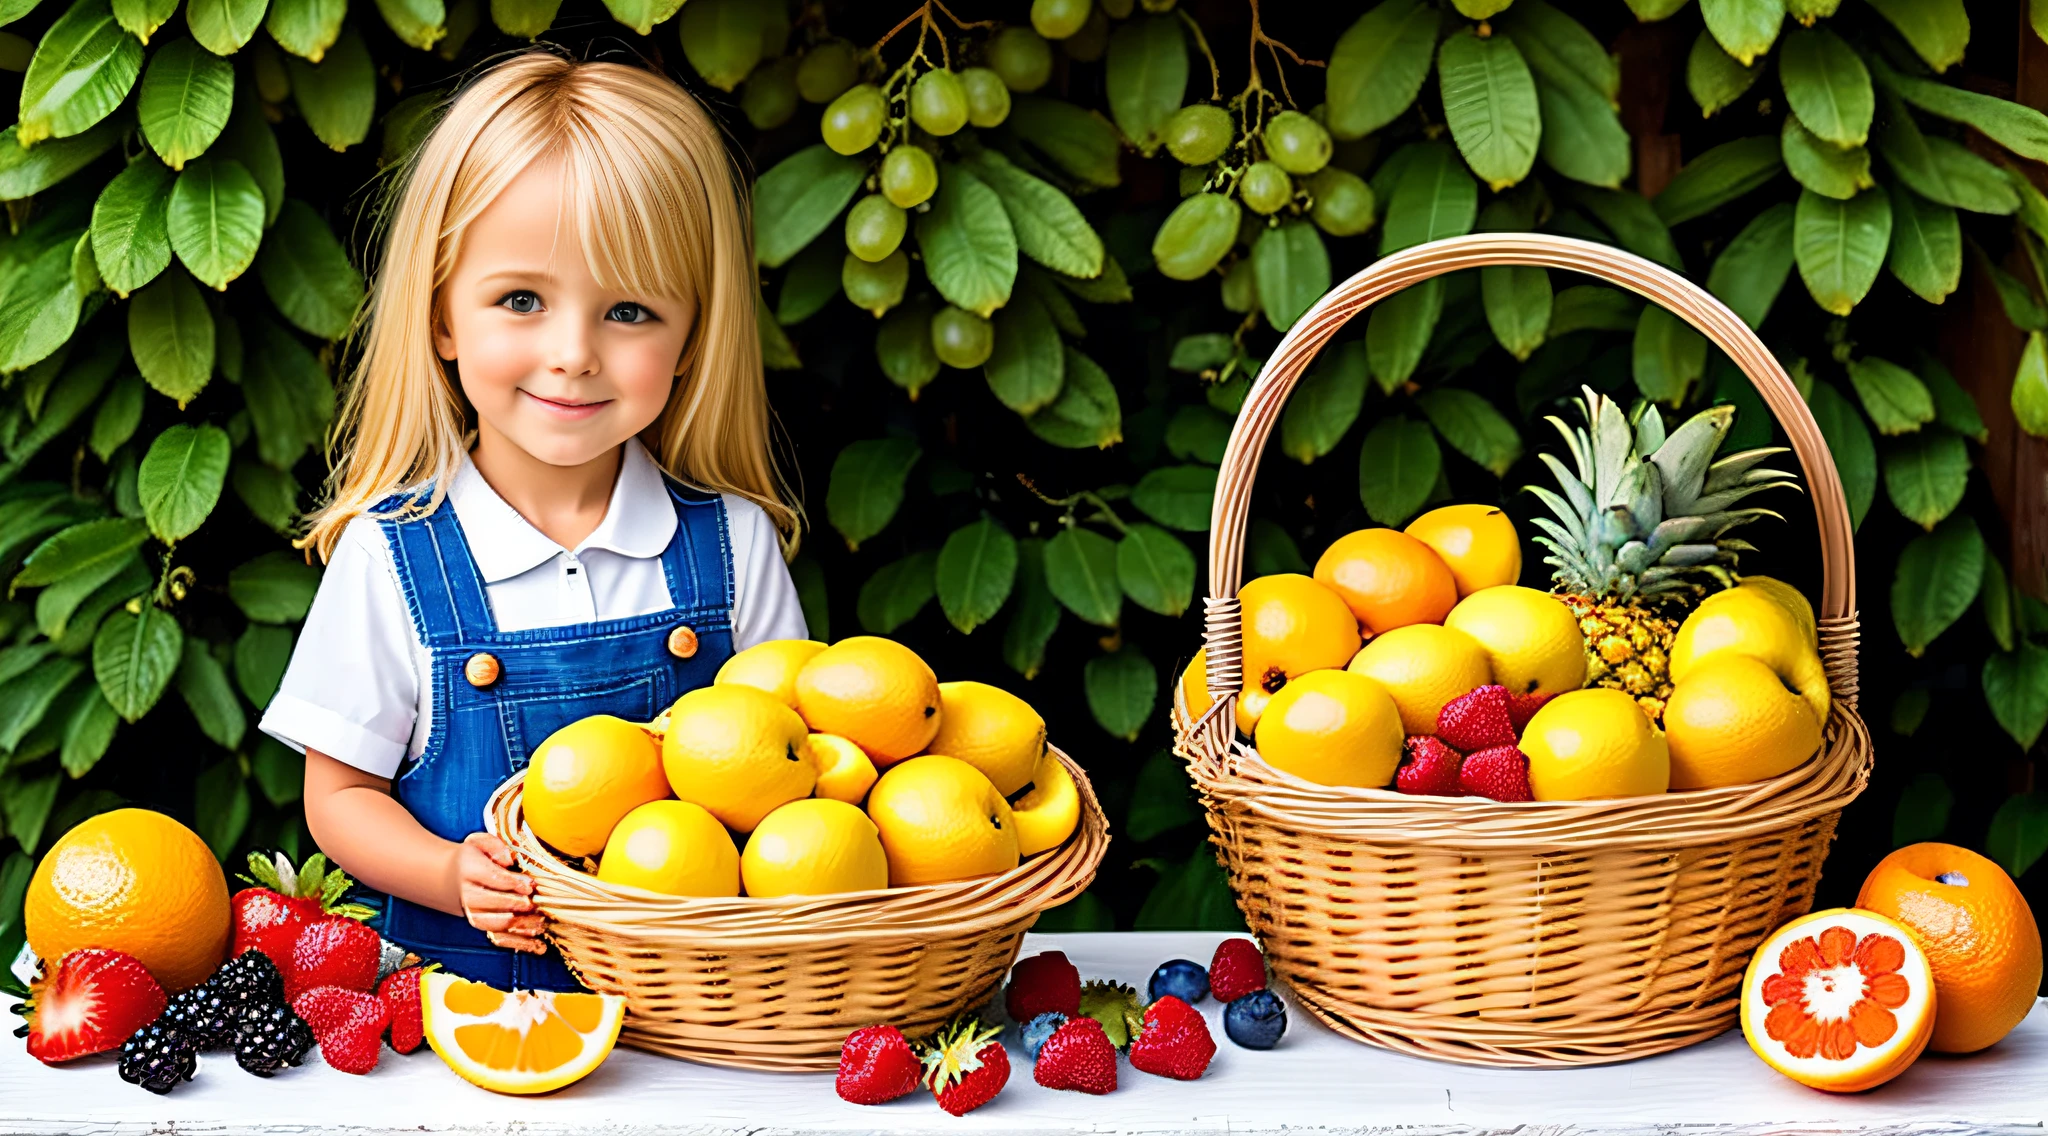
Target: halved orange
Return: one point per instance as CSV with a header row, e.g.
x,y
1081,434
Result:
x,y
1841,1000
521,1041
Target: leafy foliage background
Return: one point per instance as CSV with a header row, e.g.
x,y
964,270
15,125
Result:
x,y
186,190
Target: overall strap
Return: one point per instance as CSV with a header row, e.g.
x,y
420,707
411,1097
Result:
x,y
698,559
443,588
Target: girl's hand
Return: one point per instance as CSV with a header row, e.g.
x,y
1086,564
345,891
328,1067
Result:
x,y
495,899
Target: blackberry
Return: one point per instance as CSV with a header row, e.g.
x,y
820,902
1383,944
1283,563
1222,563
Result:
x,y
252,976
158,1057
204,1017
270,1039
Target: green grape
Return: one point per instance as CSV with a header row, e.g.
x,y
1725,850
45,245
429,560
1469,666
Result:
x,y
908,177
938,104
1088,44
769,95
1195,236
1297,143
1241,287
962,339
875,288
827,70
1022,57
774,21
854,120
1116,9
1344,204
1265,188
1197,135
1058,19
1193,178
1156,7
988,100
874,228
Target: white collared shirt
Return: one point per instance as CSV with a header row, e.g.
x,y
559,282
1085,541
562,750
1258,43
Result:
x,y
358,686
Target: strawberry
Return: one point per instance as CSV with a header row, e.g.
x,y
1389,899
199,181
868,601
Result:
x,y
1077,1056
1476,720
876,1064
91,1004
1429,768
1522,707
333,950
1237,970
269,916
965,1065
348,1024
1501,773
1044,983
1175,1041
400,993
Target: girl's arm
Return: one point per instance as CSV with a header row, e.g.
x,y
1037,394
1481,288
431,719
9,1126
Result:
x,y
356,821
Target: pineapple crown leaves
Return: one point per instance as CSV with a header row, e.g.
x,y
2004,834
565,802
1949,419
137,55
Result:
x,y
313,879
955,1051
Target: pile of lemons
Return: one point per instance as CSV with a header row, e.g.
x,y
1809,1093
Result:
x,y
806,770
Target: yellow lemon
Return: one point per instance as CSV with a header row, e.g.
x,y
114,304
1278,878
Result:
x,y
814,847
1050,812
771,666
874,692
942,819
1477,542
992,730
673,847
1292,625
1789,598
1750,621
738,752
1423,666
1532,640
522,1042
586,776
1594,743
845,772
1733,721
1333,728
1194,684
134,881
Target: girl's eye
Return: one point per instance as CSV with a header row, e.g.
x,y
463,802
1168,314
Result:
x,y
629,313
522,301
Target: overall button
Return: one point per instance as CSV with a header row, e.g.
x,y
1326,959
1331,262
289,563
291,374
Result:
x,y
482,669
682,642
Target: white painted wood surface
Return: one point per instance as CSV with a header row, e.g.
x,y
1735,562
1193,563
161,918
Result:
x,y
1314,1081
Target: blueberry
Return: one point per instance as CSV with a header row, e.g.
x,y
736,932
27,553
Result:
x,y
1256,1020
1184,980
1039,1028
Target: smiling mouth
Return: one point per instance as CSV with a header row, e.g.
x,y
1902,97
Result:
x,y
565,408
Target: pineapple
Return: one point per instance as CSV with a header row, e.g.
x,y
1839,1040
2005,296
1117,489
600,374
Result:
x,y
1638,538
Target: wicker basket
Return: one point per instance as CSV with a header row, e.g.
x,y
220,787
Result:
x,y
1535,933
777,984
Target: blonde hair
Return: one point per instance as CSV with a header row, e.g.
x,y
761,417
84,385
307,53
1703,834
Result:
x,y
659,209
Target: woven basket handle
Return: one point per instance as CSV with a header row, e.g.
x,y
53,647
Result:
x,y
1223,633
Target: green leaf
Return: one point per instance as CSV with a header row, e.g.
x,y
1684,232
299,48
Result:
x,y
134,656
1080,571
261,655
1922,811
26,698
1560,49
1086,414
216,220
1584,307
1938,29
1200,433
1293,271
1325,403
1745,28
276,587
1518,304
1473,427
1398,330
1925,475
976,570
1941,170
1635,225
811,594
1162,799
40,311
1910,710
1849,441
1122,689
249,140
2019,832
1895,398
25,172
181,477
203,683
337,93
1084,912
1583,138
1079,141
777,352
1048,225
1271,549
224,26
2021,309
2018,128
1434,198
1827,86
1144,76
141,18
2030,387
1719,176
81,71
1156,570
186,96
1926,253
1035,615
419,23
1649,11
1669,356
1936,579
1840,245
171,335
867,486
798,198
2016,686
642,15
61,600
1028,367
1752,269
1994,599
306,28
120,412
220,804
81,549
1714,78
27,803
308,275
896,592
814,277
1378,66
1398,467
88,730
970,251
1490,105
289,396
1203,351
131,243
1192,896
1953,406
1177,496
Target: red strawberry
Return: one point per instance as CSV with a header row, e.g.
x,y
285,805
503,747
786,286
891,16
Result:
x,y
400,993
1237,970
94,1000
1043,983
1501,773
333,950
876,1065
1522,707
1175,1041
270,915
1429,768
348,1024
1476,720
1077,1056
965,1066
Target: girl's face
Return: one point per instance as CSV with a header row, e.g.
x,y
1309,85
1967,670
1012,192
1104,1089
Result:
x,y
554,362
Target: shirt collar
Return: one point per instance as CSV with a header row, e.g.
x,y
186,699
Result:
x,y
638,520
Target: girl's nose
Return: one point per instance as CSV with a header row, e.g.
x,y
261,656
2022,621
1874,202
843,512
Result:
x,y
572,350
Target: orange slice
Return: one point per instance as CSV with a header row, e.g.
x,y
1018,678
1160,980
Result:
x,y
524,1041
1841,1000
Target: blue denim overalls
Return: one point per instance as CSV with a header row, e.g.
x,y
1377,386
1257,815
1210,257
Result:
x,y
498,695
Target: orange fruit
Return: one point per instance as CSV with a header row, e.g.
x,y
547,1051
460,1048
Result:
x,y
1292,625
1477,543
134,881
771,666
522,1041
1388,579
1423,666
1333,728
1978,932
874,692
1841,1000
586,776
673,847
941,819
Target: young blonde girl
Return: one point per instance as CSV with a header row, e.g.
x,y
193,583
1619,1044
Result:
x,y
554,495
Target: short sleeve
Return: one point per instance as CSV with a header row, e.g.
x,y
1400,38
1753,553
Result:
x,y
352,688
765,604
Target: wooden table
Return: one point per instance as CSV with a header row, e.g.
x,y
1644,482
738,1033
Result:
x,y
1315,1080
